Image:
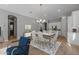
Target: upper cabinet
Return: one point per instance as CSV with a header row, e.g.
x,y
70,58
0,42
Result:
x,y
75,15
70,23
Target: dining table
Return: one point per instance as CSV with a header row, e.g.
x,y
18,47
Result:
x,y
49,36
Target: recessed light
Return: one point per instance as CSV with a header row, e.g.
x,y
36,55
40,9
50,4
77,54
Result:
x,y
59,10
41,4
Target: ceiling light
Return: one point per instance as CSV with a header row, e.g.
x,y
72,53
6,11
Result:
x,y
44,20
41,4
41,20
59,10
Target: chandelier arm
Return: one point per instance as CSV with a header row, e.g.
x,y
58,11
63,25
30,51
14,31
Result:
x,y
41,20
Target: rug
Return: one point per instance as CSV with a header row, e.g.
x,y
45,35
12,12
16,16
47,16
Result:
x,y
50,51
3,50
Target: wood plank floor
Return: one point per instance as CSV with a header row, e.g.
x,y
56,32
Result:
x,y
35,51
64,48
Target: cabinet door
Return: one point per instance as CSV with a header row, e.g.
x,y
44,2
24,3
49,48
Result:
x,y
75,19
70,23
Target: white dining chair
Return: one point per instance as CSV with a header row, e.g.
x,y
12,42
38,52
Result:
x,y
50,31
34,37
54,40
42,40
44,31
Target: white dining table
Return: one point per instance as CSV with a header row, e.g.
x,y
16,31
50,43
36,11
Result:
x,y
48,34
27,34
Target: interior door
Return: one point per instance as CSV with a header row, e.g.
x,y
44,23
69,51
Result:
x,y
12,27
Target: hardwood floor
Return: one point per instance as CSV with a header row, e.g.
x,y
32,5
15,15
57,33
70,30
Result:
x,y
12,39
35,51
64,49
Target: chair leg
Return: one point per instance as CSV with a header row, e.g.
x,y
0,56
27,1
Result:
x,y
44,45
55,45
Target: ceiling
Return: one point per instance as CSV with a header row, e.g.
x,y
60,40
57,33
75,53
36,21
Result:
x,y
47,11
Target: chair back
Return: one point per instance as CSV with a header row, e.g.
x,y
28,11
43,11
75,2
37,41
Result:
x,y
34,35
54,39
23,41
40,35
56,35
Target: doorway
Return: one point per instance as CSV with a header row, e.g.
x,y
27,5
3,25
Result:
x,y
12,27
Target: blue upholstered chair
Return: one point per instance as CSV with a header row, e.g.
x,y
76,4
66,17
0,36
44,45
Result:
x,y
21,49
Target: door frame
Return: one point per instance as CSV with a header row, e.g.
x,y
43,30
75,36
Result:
x,y
14,26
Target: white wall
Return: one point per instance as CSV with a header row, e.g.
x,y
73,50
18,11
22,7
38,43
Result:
x,y
21,24
3,24
21,21
64,26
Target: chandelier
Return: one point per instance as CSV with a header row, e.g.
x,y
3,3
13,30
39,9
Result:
x,y
40,20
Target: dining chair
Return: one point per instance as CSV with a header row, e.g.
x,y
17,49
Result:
x,y
21,49
50,31
34,37
54,40
42,40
